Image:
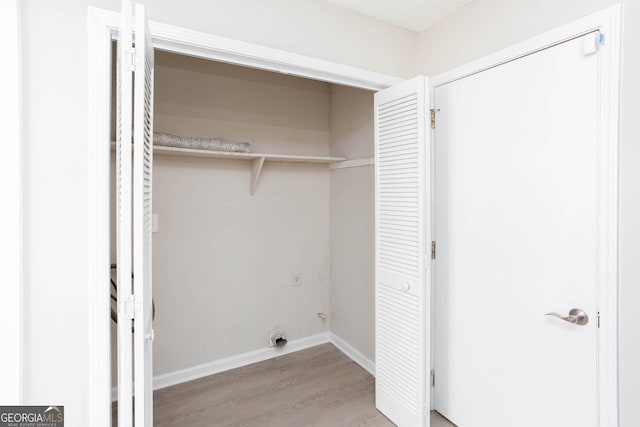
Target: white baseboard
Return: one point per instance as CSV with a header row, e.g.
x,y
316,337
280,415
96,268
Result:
x,y
221,365
354,354
244,359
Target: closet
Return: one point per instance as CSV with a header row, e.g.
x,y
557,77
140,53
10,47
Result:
x,y
246,243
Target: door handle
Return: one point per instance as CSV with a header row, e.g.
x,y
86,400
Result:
x,y
576,316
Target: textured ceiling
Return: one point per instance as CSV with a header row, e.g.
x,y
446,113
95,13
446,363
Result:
x,y
415,15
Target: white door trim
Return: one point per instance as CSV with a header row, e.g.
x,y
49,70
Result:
x,y
102,27
608,22
11,360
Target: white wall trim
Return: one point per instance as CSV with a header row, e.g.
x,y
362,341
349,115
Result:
x,y
209,46
608,213
597,21
609,23
354,354
194,43
221,365
102,26
11,327
98,252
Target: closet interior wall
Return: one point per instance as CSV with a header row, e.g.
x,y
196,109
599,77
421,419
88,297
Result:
x,y
228,266
352,220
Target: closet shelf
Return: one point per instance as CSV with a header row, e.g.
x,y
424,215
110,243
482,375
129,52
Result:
x,y
257,159
188,152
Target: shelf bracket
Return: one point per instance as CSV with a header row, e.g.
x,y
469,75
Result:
x,y
256,169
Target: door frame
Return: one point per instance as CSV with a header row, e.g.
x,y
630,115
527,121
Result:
x,y
102,28
11,275
609,23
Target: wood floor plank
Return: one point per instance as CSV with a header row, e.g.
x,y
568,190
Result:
x,y
319,386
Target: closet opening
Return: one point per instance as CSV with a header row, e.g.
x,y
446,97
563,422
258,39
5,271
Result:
x,y
261,252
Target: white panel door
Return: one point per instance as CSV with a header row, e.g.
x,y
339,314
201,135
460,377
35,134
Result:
x,y
142,186
402,296
516,227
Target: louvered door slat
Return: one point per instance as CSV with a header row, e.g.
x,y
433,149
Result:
x,y
401,221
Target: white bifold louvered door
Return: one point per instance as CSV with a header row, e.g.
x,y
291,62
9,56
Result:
x,y
124,215
134,164
142,217
402,224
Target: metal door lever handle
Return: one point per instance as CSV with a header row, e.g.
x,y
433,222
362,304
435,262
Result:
x,y
576,316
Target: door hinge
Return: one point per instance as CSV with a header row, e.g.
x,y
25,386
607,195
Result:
x,y
433,249
433,117
598,320
130,59
130,307
433,378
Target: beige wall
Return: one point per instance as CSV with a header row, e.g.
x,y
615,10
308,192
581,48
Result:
x,y
315,28
483,27
352,220
225,261
282,114
54,53
486,26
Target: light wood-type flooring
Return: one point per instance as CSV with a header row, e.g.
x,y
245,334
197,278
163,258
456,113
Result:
x,y
319,386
